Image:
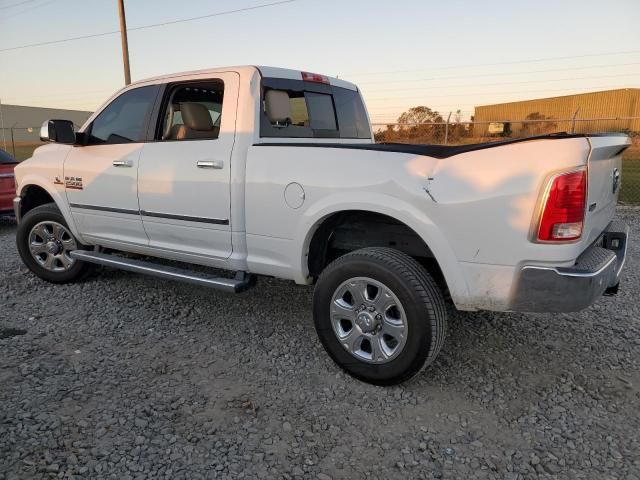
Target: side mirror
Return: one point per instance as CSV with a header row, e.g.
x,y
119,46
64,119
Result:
x,y
58,131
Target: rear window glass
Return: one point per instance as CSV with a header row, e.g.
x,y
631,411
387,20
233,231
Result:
x,y
299,111
323,114
314,111
352,115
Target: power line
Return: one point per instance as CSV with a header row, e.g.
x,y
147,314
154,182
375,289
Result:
x,y
26,10
508,83
145,27
4,7
534,60
498,74
71,96
89,95
498,93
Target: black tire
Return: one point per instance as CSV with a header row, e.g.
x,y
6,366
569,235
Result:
x,y
421,299
44,213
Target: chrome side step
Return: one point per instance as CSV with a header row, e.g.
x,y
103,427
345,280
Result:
x,y
240,283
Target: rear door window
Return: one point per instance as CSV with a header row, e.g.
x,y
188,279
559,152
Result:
x,y
192,111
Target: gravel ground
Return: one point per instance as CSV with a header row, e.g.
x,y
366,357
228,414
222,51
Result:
x,y
125,376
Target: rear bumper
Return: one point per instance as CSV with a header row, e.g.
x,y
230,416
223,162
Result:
x,y
570,289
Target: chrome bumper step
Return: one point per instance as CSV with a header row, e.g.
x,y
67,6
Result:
x,y
242,281
595,272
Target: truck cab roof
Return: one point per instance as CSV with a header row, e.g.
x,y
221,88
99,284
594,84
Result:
x,y
264,71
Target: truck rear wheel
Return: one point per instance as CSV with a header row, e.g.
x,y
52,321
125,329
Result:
x,y
44,243
379,315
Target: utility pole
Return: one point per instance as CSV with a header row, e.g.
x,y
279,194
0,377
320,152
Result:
x,y
125,43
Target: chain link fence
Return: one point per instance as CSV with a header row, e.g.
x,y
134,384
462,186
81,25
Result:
x,y
21,141
465,132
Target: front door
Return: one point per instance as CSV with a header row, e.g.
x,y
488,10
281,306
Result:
x,y
101,177
184,175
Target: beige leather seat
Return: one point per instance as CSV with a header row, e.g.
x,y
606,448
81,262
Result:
x,y
197,123
278,107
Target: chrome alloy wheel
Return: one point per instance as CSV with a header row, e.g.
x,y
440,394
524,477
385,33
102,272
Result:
x,y
50,244
368,320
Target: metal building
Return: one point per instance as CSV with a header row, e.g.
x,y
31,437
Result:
x,y
616,106
23,123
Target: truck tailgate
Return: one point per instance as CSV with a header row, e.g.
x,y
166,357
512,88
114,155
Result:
x,y
605,169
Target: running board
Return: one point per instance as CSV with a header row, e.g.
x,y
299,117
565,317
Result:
x,y
240,283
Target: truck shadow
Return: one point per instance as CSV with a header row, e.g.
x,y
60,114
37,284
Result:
x,y
279,311
484,355
7,223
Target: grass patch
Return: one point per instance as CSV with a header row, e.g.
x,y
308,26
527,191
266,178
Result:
x,y
630,190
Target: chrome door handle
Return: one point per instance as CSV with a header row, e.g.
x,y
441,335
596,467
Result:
x,y
217,164
122,163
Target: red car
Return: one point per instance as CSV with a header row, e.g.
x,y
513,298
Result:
x,y
7,183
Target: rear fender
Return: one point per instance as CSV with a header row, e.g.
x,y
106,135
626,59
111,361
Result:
x,y
389,206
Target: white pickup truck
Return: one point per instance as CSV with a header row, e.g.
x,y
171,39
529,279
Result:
x,y
269,171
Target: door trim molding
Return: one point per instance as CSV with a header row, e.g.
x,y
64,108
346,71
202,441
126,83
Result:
x,y
104,209
186,218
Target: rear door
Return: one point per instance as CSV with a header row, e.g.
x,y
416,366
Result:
x,y
184,174
7,181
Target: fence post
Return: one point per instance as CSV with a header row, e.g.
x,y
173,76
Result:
x,y
446,130
573,121
4,140
13,144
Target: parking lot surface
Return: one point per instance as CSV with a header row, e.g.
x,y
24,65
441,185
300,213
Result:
x,y
124,376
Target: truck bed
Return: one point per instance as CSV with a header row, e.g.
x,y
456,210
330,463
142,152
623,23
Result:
x,y
439,151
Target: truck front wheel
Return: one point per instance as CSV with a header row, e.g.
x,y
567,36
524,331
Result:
x,y
44,243
379,315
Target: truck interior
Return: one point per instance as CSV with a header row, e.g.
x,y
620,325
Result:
x,y
193,111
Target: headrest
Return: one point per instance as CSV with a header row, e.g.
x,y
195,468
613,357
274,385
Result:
x,y
196,116
278,106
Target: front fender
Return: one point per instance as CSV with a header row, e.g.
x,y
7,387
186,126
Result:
x,y
57,194
383,204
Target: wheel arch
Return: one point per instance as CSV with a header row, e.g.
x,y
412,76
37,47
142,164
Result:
x,y
34,193
420,227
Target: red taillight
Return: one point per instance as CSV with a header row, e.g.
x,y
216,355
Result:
x,y
563,212
314,77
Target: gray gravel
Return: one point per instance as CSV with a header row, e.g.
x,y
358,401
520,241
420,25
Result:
x,y
125,376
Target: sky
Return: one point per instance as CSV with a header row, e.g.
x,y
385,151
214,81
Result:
x,y
447,55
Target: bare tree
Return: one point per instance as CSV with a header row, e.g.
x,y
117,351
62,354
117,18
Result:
x,y
420,114
543,124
